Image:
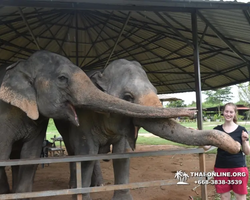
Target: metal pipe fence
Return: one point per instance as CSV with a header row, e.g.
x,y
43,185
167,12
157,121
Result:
x,y
78,159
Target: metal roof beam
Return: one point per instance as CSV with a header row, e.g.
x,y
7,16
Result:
x,y
131,5
203,35
98,36
28,27
155,53
25,55
247,16
18,34
186,56
105,52
91,40
32,23
223,72
16,46
118,38
175,30
129,32
53,36
93,61
232,47
66,32
20,49
48,28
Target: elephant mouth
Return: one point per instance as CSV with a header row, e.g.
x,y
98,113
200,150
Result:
x,y
72,113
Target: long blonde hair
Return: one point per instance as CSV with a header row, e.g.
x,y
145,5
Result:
x,y
235,110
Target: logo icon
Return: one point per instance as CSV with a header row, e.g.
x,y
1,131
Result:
x,y
182,177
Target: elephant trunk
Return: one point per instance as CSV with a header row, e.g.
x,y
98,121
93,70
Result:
x,y
89,96
171,130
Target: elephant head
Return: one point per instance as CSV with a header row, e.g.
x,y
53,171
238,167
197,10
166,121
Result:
x,y
51,85
128,81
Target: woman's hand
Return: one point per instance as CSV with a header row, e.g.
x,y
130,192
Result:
x,y
244,136
245,143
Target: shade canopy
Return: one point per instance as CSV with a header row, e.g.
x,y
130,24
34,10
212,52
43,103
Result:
x,y
157,33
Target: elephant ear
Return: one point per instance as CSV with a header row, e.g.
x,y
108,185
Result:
x,y
99,80
17,89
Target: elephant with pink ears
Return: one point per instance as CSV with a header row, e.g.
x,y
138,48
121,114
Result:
x,y
98,130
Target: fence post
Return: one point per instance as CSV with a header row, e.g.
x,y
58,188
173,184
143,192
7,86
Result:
x,y
203,169
79,178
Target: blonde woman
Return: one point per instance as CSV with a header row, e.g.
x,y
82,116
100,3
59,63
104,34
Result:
x,y
231,170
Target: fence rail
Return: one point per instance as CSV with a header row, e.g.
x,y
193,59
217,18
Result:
x,y
78,159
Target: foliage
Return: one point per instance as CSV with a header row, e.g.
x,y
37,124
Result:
x,y
216,116
240,117
174,104
244,93
219,96
193,104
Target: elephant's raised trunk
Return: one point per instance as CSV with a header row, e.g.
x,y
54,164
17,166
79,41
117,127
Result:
x,y
91,97
171,130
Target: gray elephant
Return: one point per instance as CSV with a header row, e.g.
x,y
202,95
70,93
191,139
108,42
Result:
x,y
44,86
128,81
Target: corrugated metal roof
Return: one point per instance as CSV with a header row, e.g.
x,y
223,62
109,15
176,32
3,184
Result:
x,y
158,34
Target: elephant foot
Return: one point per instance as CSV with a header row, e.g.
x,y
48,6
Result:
x,y
122,195
84,197
96,182
4,191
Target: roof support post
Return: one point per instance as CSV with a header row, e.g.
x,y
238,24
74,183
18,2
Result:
x,y
118,38
198,93
28,27
197,69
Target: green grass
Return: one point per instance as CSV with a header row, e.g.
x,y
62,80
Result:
x,y
51,131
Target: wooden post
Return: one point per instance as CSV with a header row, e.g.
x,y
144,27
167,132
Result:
x,y
79,178
203,169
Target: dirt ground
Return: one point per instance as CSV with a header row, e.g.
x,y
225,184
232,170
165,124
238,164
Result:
x,y
56,176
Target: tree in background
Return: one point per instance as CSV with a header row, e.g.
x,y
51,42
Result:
x,y
244,93
192,104
174,104
218,97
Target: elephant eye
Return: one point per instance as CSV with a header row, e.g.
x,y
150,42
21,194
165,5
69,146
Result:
x,y
63,79
128,97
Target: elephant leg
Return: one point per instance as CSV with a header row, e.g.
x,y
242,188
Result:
x,y
26,174
72,181
121,171
97,179
4,155
15,169
4,185
15,172
86,170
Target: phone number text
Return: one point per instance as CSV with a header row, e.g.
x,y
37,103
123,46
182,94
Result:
x,y
219,182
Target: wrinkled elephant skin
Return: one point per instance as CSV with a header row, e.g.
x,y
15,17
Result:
x,y
171,130
97,131
44,86
128,81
